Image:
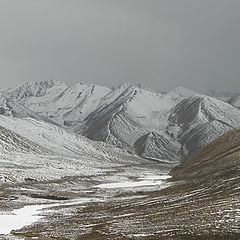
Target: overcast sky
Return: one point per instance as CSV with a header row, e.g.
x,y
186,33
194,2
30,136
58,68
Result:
x,y
159,43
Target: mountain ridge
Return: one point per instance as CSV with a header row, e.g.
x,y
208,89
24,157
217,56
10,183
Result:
x,y
122,116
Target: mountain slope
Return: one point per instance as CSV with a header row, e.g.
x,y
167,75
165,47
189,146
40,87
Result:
x,y
224,96
235,101
188,122
10,141
54,99
35,90
10,108
222,156
156,146
133,114
43,151
198,120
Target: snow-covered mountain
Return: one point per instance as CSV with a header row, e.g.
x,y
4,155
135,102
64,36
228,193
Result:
x,y
198,120
219,158
156,146
31,90
33,149
11,108
230,97
131,114
165,126
224,95
235,101
57,101
186,119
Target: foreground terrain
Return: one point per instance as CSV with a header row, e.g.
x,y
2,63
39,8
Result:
x,y
201,209
182,207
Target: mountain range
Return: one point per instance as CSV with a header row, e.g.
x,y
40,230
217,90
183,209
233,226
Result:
x,y
159,126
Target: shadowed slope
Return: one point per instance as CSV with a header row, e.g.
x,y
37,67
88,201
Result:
x,y
219,157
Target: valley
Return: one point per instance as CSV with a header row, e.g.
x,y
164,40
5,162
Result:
x,y
94,208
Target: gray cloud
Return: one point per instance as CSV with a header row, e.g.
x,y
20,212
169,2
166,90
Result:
x,y
160,43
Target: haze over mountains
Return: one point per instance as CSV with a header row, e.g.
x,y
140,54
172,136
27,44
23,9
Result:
x,y
166,127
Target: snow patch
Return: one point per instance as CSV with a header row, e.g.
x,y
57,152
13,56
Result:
x,y
145,181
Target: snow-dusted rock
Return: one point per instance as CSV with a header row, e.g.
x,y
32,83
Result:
x,y
156,146
126,115
235,101
38,150
198,120
57,101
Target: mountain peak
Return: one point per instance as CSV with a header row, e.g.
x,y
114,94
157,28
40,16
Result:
x,y
126,85
235,101
182,92
35,88
44,83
